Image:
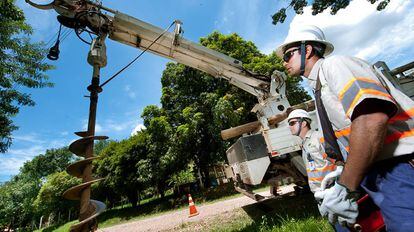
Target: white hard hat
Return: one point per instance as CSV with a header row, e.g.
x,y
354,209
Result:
x,y
305,33
299,113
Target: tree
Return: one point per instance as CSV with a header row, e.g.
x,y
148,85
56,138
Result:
x,y
199,106
125,166
49,199
54,160
161,162
21,64
106,166
100,145
17,196
16,201
182,177
318,6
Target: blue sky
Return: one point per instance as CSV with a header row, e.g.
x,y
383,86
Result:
x,y
358,30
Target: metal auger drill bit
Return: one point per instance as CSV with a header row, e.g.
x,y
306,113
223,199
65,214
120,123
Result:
x,y
89,209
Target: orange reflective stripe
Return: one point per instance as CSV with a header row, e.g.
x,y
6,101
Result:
x,y
343,132
338,134
316,179
403,116
398,135
320,173
349,84
367,91
327,168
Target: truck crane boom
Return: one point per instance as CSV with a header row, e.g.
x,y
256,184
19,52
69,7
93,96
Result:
x,y
136,33
79,14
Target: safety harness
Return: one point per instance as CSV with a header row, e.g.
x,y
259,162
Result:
x,y
302,57
300,126
331,145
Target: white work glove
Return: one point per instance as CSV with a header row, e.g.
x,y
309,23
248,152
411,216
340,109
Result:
x,y
339,205
328,180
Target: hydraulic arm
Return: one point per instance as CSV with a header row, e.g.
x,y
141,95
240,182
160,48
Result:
x,y
83,15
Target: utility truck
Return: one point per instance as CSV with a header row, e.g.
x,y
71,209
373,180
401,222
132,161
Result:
x,y
266,150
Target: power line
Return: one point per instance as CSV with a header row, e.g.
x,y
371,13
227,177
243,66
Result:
x,y
66,35
65,30
136,58
51,39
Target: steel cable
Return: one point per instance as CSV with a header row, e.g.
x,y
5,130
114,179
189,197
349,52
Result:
x,y
136,58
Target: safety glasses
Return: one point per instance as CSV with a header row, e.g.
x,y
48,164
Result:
x,y
289,54
292,123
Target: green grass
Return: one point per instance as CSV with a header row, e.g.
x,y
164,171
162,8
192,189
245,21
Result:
x,y
291,214
284,225
58,228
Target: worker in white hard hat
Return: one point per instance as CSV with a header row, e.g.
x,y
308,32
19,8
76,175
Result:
x,y
318,165
371,121
313,155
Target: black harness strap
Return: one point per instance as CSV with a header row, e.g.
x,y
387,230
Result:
x,y
302,57
331,145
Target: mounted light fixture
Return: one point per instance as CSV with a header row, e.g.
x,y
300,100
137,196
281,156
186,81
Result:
x,y
54,51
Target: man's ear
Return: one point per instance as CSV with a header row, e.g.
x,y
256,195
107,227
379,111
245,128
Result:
x,y
303,124
309,51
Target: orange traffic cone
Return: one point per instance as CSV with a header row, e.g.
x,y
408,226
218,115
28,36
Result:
x,y
193,209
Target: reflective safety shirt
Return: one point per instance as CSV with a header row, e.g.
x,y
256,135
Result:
x,y
346,82
315,159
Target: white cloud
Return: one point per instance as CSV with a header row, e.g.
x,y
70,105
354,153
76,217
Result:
x,y
26,153
252,21
98,127
32,138
269,47
138,128
11,165
242,17
118,126
134,113
64,133
27,146
130,92
360,30
57,143
111,127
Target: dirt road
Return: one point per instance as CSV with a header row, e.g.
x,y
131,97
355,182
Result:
x,y
174,219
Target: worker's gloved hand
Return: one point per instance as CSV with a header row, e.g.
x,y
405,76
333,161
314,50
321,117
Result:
x,y
331,177
339,205
319,195
327,181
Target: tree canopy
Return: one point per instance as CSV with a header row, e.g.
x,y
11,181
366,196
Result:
x,y
318,6
21,65
126,168
54,160
17,195
49,198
